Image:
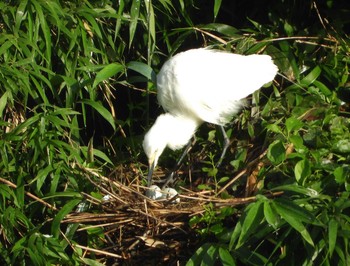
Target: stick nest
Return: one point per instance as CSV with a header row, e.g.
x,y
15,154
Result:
x,y
141,230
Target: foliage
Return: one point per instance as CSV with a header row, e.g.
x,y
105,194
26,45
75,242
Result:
x,y
77,91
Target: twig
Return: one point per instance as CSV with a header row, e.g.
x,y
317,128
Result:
x,y
242,172
10,184
99,251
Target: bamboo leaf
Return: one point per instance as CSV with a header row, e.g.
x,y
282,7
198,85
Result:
x,y
250,221
332,235
134,14
311,77
144,69
3,102
225,257
270,215
217,5
107,72
101,110
66,209
294,215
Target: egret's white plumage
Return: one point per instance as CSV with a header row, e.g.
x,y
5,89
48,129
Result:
x,y
202,85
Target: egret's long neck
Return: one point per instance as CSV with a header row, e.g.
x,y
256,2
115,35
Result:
x,y
181,130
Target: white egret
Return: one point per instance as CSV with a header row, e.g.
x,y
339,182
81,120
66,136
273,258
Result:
x,y
202,85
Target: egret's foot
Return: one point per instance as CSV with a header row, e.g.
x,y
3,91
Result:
x,y
169,180
227,144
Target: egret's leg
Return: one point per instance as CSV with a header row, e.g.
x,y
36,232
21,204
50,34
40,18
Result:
x,y
170,178
226,145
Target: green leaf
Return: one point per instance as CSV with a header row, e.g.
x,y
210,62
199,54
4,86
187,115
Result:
x,y
41,176
294,215
210,256
107,72
298,189
225,257
332,235
3,102
274,128
134,16
293,124
198,255
271,215
323,88
101,110
236,233
276,152
143,69
250,221
91,262
217,5
97,153
67,208
222,28
311,77
342,146
302,170
339,175
298,143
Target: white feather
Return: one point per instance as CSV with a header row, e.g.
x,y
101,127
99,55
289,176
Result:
x,y
202,85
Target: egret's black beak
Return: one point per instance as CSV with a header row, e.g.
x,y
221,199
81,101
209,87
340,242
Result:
x,y
150,173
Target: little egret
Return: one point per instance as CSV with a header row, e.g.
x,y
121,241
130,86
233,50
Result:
x,y
202,85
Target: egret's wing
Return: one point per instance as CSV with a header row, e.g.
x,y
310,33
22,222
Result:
x,y
209,84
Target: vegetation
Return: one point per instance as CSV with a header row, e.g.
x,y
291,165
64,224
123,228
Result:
x,y
77,93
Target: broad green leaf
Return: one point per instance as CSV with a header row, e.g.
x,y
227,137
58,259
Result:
x,y
297,189
293,124
270,215
236,233
222,28
332,235
298,143
339,174
198,255
41,176
143,69
5,46
276,152
250,221
67,208
101,110
294,215
97,153
210,256
225,257
323,88
302,170
274,128
107,72
295,210
311,77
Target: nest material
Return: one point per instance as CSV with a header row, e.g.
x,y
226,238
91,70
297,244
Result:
x,y
140,230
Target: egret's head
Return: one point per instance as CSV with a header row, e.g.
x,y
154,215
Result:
x,y
168,130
